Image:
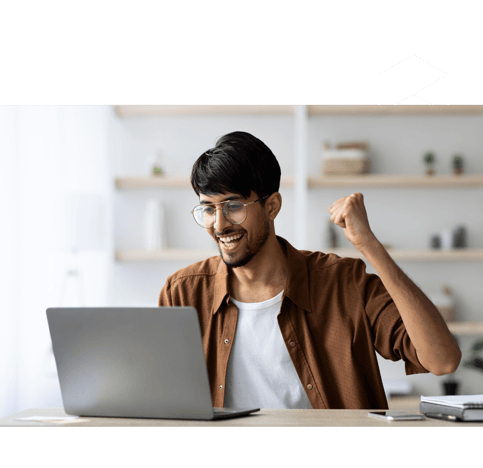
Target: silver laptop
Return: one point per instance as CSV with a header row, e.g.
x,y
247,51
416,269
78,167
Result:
x,y
134,363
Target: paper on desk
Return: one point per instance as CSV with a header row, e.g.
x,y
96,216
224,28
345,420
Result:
x,y
47,418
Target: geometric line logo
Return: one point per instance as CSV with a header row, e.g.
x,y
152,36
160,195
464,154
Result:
x,y
415,93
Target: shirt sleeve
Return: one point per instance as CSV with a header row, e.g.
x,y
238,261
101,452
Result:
x,y
391,339
165,299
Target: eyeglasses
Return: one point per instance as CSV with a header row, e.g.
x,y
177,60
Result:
x,y
234,211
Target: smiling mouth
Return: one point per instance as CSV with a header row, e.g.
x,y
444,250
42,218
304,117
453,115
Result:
x,y
231,241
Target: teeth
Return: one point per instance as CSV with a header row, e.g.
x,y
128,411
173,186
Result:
x,y
226,240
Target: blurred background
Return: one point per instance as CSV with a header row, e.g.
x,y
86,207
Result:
x,y
95,208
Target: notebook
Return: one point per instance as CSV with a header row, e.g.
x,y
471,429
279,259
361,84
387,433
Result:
x,y
133,363
461,407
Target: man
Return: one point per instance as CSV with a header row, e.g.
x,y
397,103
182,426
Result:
x,y
284,328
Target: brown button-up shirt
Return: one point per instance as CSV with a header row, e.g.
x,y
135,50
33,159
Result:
x,y
333,318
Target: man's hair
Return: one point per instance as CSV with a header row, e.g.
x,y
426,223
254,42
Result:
x,y
239,163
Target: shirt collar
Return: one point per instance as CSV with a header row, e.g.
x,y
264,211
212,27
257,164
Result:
x,y
296,289
221,286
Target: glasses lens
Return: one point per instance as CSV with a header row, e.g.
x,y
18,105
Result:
x,y
235,212
204,215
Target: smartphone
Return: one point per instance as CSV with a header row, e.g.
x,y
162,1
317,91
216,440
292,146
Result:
x,y
396,416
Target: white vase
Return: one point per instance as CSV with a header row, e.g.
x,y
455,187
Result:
x,y
154,226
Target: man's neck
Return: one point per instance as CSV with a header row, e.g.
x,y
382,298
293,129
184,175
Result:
x,y
263,277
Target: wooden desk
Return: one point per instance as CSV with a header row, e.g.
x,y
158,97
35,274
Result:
x,y
264,418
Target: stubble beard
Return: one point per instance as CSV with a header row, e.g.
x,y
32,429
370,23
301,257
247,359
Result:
x,y
250,249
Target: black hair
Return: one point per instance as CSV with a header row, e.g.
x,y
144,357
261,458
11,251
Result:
x,y
239,163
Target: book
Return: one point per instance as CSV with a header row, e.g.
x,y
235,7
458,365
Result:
x,y
463,407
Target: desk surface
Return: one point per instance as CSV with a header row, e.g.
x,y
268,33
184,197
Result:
x,y
263,418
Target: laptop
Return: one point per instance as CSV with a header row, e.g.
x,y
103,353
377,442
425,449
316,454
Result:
x,y
133,362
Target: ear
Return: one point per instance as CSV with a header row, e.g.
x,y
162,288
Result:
x,y
273,205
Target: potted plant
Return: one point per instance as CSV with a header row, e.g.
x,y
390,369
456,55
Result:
x,y
458,164
429,161
450,386
475,362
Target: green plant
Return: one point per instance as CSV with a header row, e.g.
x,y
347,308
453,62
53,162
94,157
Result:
x,y
475,362
429,158
458,162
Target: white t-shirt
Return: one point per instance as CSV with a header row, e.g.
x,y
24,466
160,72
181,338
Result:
x,y
260,371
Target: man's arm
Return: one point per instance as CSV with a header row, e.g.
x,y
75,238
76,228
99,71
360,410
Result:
x,y
436,348
164,298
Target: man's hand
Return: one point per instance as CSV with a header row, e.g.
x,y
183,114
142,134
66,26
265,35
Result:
x,y
350,214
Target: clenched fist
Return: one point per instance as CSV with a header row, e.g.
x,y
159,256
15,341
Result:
x,y
350,214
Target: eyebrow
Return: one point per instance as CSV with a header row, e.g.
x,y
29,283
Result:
x,y
231,197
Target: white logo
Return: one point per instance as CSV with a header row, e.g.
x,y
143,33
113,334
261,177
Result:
x,y
445,75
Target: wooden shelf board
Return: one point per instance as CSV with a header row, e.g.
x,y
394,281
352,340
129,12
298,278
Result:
x,y
129,111
396,110
466,328
153,110
192,255
363,181
397,181
420,255
410,255
172,181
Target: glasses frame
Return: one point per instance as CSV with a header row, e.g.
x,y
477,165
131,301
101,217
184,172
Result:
x,y
222,211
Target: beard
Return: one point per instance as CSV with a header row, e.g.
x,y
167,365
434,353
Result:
x,y
250,250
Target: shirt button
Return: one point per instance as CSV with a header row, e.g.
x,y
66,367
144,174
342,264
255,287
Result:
x,y
221,386
309,386
292,343
227,341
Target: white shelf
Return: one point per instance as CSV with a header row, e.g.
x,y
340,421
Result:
x,y
130,111
363,181
172,182
466,328
408,255
191,255
397,181
396,110
420,255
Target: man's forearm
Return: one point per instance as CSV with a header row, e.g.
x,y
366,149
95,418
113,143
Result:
x,y
436,348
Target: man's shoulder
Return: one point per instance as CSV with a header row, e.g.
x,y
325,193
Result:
x,y
317,260
197,271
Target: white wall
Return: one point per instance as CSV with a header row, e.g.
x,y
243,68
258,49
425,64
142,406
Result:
x,y
47,153
403,218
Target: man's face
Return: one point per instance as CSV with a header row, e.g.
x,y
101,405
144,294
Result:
x,y
238,243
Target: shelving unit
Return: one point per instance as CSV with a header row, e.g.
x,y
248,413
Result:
x,y
303,182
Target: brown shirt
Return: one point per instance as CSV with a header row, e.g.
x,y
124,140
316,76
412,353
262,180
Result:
x,y
333,318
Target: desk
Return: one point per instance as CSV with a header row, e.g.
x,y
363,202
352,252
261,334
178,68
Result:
x,y
263,418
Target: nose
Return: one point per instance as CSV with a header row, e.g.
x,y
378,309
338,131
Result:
x,y
220,221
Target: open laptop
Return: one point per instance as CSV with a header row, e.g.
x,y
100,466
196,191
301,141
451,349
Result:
x,y
133,362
